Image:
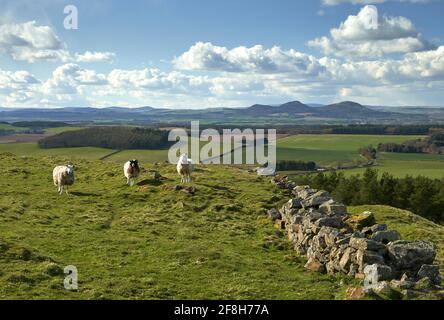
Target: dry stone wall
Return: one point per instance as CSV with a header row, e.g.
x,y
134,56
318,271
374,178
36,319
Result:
x,y
335,242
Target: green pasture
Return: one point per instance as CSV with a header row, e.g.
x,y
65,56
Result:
x,y
342,150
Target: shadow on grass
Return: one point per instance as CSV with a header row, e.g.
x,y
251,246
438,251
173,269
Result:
x,y
217,187
150,182
85,194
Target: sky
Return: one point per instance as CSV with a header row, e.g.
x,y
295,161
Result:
x,y
212,53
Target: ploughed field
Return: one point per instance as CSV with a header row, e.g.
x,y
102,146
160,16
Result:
x,y
155,241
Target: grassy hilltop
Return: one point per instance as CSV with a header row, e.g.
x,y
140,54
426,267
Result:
x,y
153,241
149,241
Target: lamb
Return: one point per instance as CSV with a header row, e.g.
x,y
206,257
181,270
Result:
x,y
185,168
132,171
63,176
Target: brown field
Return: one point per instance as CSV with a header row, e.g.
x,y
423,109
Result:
x,y
18,138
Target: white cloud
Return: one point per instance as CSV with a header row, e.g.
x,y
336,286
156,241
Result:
x,y
31,42
236,86
68,78
18,78
257,59
338,2
240,75
357,37
89,56
427,64
421,73
17,87
146,79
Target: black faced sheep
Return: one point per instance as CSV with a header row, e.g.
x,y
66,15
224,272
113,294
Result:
x,y
132,171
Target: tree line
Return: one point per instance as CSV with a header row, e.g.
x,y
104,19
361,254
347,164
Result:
x,y
362,129
421,195
434,144
4,132
40,124
109,137
289,165
385,129
369,153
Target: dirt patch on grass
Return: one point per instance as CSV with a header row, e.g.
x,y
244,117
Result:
x,y
22,137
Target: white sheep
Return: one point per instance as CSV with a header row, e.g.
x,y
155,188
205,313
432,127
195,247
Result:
x,y
131,170
63,176
185,168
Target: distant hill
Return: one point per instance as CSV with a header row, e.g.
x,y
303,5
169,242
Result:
x,y
290,108
346,112
343,110
76,114
349,109
6,109
295,107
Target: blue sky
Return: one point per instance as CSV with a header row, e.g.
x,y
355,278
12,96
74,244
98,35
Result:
x,y
202,53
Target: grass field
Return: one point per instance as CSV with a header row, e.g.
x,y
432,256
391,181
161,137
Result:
x,y
154,242
334,150
149,241
329,150
32,149
325,150
401,164
62,129
144,156
47,130
4,126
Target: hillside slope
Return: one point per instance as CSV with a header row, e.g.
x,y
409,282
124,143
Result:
x,y
146,242
409,225
154,241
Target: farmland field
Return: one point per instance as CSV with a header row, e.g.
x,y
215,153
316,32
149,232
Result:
x,y
329,150
4,126
402,164
32,149
62,129
334,150
144,156
325,150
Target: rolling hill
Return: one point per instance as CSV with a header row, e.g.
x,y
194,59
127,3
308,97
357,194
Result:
x,y
290,108
291,112
156,241
350,109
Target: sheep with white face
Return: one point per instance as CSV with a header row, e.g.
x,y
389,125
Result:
x,y
63,176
